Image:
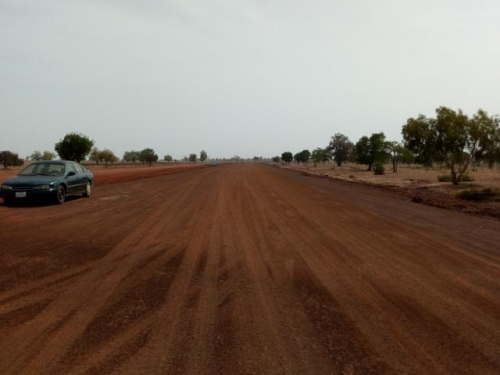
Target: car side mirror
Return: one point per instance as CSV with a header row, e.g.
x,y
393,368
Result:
x,y
71,173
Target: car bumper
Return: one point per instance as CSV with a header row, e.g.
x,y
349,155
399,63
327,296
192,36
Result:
x,y
27,195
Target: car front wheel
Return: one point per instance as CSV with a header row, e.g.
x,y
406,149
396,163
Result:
x,y
8,202
88,189
61,194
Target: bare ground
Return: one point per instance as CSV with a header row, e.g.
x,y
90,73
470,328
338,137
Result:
x,y
417,184
247,269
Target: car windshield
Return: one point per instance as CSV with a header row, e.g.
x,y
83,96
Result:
x,y
43,169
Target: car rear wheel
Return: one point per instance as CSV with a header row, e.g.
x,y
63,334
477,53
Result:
x,y
88,189
61,194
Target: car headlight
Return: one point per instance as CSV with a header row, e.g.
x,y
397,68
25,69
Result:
x,y
5,187
42,187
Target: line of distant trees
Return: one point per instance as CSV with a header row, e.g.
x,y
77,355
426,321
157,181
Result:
x,y
451,139
77,147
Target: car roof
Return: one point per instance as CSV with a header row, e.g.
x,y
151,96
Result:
x,y
51,161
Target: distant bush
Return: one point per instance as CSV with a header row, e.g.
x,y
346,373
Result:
x,y
447,178
378,168
477,195
444,178
416,199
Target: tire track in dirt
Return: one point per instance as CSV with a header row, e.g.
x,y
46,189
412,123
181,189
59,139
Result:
x,y
101,281
244,269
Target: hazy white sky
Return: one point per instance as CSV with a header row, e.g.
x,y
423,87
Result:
x,y
238,77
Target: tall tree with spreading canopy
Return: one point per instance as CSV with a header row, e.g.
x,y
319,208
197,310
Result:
x,y
371,150
148,156
167,158
203,156
36,156
419,137
131,156
454,139
287,157
107,156
47,155
193,158
341,148
94,155
74,146
304,156
10,159
319,155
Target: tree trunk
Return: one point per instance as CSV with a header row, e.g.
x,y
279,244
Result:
x,y
454,178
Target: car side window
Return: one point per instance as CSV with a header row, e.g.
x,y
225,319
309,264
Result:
x,y
56,169
70,168
78,167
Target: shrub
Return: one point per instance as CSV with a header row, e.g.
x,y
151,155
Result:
x,y
479,194
447,178
416,199
444,178
378,168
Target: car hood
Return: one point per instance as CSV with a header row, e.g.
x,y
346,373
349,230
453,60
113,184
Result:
x,y
30,180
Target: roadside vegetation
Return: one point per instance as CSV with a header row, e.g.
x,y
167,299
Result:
x,y
450,140
478,195
10,159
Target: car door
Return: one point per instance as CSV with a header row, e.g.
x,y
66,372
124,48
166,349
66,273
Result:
x,y
72,179
80,172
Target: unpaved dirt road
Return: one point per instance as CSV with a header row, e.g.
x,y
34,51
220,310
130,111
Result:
x,y
247,269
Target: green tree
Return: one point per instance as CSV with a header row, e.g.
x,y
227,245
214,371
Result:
x,y
406,156
131,156
47,155
193,158
276,159
303,157
362,151
94,155
10,159
454,139
460,140
148,156
396,150
319,155
107,156
341,148
371,150
36,156
167,158
74,146
203,156
287,157
419,137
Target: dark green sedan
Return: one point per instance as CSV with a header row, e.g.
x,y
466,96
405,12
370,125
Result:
x,y
53,180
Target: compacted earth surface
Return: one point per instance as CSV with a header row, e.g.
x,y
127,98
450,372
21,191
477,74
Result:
x,y
247,269
419,184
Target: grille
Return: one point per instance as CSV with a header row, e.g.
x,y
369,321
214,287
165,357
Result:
x,y
22,188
